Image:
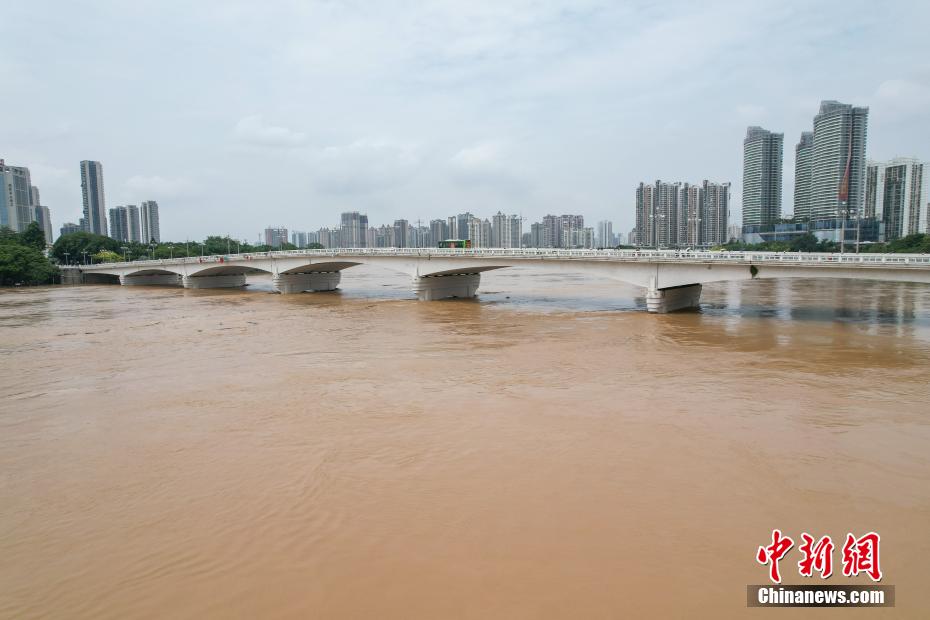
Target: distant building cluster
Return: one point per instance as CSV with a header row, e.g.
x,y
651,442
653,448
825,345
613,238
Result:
x,y
499,231
20,204
671,215
838,193
134,224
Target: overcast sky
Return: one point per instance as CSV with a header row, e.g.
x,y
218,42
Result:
x,y
238,115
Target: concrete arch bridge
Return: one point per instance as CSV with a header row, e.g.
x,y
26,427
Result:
x,y
672,279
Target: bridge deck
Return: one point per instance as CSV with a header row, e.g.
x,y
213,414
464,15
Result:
x,y
638,256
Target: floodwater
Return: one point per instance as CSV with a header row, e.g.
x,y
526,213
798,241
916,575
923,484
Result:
x,y
548,450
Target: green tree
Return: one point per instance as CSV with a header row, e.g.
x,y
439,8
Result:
x,y
22,264
8,236
76,244
805,243
107,256
33,237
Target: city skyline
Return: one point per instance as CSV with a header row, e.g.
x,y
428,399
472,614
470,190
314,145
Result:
x,y
401,112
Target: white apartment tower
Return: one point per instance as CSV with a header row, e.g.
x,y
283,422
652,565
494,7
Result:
x,y
895,192
803,161
762,172
150,227
605,234
838,161
16,206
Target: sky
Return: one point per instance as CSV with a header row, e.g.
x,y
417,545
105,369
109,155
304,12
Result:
x,y
235,115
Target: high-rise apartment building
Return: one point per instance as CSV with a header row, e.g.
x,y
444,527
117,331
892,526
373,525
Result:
x,y
16,207
95,211
681,215
605,234
133,224
666,214
715,206
690,216
125,225
838,161
762,172
151,230
44,219
537,235
645,215
895,192
401,234
479,232
70,227
438,231
459,225
657,214
583,238
803,168
275,236
118,224
561,231
299,239
328,238
354,229
506,231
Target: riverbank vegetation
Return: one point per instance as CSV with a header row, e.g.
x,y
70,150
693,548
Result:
x,y
912,244
83,247
803,243
22,258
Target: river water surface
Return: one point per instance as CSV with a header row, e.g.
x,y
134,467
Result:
x,y
548,450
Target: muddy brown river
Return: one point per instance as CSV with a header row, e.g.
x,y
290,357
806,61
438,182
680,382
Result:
x,y
548,450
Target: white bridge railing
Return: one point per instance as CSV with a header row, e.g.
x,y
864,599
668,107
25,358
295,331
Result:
x,y
648,256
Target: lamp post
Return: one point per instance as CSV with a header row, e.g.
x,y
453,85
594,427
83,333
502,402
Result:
x,y
84,252
125,250
67,254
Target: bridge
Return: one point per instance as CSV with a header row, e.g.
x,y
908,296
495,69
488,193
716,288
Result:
x,y
672,278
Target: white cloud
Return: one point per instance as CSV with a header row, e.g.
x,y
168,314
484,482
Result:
x,y
751,113
903,98
363,166
253,130
155,187
491,164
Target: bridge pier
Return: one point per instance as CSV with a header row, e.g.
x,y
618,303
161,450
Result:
x,y
662,300
460,285
219,281
151,279
287,283
71,275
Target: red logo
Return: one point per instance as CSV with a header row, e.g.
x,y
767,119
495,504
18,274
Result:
x,y
817,557
774,553
860,555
